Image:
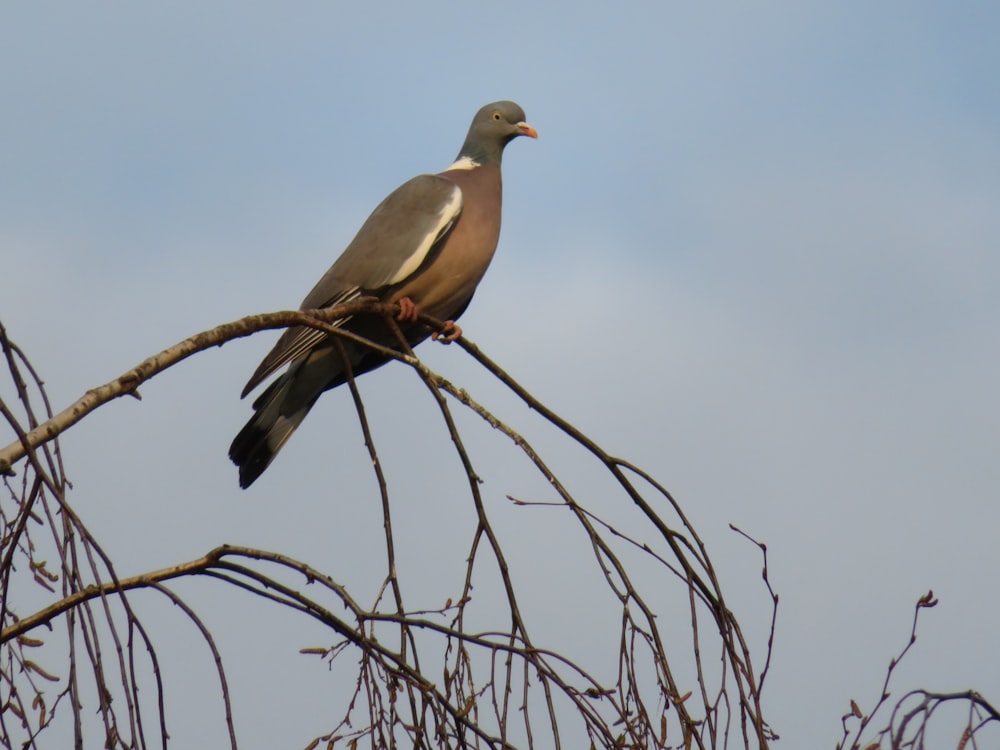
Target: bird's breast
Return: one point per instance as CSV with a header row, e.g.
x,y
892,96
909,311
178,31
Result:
x,y
449,276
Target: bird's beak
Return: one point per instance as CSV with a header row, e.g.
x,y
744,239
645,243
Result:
x,y
524,128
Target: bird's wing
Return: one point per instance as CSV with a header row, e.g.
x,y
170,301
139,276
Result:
x,y
391,245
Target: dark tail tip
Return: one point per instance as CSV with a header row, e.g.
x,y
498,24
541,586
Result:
x,y
251,453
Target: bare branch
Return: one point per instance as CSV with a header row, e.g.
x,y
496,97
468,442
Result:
x,y
911,716
129,382
421,677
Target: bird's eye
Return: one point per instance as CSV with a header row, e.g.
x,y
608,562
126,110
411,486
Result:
x,y
497,116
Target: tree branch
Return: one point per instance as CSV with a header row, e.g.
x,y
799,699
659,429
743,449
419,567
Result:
x,y
128,382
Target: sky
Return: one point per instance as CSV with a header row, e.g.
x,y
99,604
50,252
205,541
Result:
x,y
754,251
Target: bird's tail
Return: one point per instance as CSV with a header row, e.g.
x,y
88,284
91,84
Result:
x,y
278,411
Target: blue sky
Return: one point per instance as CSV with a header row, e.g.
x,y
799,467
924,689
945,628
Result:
x,y
754,250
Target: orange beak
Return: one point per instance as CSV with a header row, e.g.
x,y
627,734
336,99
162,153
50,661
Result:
x,y
525,129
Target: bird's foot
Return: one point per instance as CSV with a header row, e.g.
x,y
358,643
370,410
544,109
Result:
x,y
407,311
448,333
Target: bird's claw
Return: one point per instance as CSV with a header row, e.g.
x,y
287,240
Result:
x,y
448,333
407,311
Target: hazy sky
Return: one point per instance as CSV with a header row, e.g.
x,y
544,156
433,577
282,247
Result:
x,y
755,251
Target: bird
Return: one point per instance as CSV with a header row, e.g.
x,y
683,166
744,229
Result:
x,y
425,247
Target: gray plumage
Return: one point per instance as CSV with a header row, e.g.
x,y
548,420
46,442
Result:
x,y
431,241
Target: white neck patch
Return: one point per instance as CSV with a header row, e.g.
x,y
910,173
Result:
x,y
465,162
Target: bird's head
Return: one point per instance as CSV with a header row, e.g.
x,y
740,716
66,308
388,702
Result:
x,y
493,127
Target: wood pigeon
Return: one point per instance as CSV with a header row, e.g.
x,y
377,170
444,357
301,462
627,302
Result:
x,y
425,247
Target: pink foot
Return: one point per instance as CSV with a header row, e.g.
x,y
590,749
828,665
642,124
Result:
x,y
407,310
451,332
